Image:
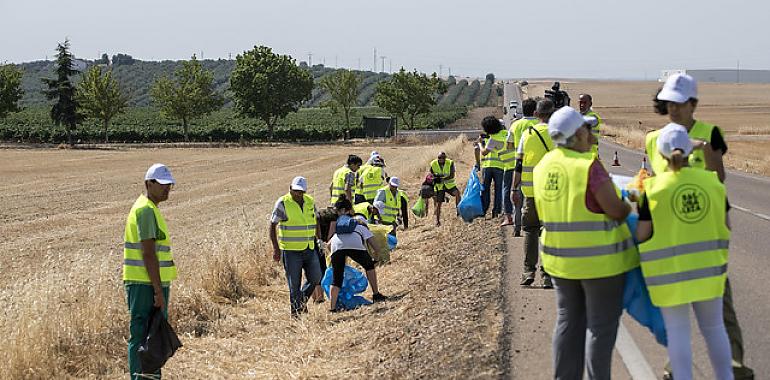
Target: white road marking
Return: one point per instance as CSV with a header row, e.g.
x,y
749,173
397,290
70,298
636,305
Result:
x,y
748,211
635,362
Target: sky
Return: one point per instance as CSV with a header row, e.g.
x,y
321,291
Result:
x,y
602,39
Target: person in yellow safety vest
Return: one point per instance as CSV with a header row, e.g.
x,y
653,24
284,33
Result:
x,y
294,233
368,211
492,168
443,171
586,247
148,261
585,101
388,202
533,145
370,178
678,98
685,262
344,179
512,210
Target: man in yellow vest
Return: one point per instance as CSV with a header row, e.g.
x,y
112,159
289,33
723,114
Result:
x,y
388,202
492,168
513,216
443,171
678,99
344,179
293,233
148,264
534,144
370,178
585,101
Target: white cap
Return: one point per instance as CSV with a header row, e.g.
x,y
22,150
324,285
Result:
x,y
679,88
159,173
672,137
565,122
299,183
394,181
374,154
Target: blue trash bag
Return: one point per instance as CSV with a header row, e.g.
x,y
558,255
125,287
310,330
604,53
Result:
x,y
354,282
636,297
392,242
470,206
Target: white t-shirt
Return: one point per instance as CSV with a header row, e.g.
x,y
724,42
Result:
x,y
355,240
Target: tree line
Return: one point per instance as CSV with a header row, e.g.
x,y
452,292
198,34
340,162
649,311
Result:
x,y
264,85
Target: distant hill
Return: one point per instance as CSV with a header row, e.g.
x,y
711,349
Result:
x,y
136,77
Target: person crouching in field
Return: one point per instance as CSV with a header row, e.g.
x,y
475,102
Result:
x,y
684,262
294,218
353,245
148,264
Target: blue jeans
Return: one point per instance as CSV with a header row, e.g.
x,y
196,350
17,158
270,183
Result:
x,y
293,263
490,174
507,184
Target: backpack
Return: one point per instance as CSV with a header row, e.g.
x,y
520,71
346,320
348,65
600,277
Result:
x,y
346,224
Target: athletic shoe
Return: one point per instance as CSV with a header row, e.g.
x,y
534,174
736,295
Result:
x,y
527,279
547,283
379,297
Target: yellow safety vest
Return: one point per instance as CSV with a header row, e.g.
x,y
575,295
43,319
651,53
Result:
x,y
492,159
298,232
444,172
517,129
133,262
392,205
596,130
370,180
338,184
533,150
686,259
577,243
363,209
700,131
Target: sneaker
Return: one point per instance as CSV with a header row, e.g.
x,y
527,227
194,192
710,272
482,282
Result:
x,y
527,279
507,221
516,233
668,375
379,297
547,283
335,310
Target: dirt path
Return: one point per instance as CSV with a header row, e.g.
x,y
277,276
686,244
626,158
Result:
x,y
474,117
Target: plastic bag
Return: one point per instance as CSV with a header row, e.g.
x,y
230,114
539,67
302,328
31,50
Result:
x,y
419,208
636,297
381,233
159,343
392,242
353,282
470,207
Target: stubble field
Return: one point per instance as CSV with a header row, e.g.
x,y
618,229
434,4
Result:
x,y
65,314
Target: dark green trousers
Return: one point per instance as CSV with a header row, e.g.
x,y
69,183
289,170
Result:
x,y
140,299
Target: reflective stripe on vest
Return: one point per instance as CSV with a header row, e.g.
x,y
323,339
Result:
x,y
685,260
444,172
370,180
492,159
392,206
133,259
697,159
338,183
577,243
297,233
533,152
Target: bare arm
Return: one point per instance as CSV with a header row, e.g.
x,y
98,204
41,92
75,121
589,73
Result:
x,y
643,230
152,266
610,203
274,241
374,245
714,161
332,230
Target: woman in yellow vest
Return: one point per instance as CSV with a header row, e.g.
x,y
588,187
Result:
x,y
684,231
585,246
492,167
148,263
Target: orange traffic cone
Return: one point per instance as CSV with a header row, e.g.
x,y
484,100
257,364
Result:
x,y
615,161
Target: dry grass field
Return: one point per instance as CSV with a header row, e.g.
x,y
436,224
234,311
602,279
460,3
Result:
x,y
741,110
65,315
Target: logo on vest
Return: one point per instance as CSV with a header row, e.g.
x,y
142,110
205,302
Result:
x,y
690,203
555,182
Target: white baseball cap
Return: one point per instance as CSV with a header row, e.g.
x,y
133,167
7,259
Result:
x,y
565,122
374,154
672,137
299,183
160,173
394,181
679,88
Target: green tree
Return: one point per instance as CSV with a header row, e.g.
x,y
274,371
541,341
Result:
x,y
61,89
191,94
408,94
342,86
10,89
100,97
268,86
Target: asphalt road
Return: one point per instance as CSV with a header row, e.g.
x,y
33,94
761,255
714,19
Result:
x,y
748,268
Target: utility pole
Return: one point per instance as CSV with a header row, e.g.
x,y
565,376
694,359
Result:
x,y
374,64
335,61
440,70
359,64
390,65
450,71
738,71
323,61
383,62
310,59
